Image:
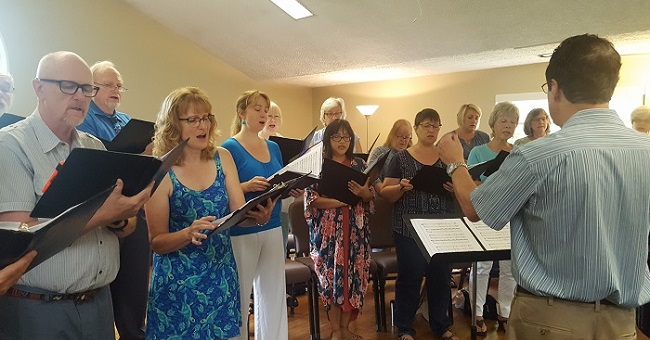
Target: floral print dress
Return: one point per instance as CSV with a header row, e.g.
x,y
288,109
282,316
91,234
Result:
x,y
340,247
194,292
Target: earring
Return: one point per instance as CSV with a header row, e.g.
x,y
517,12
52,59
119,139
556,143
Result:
x,y
243,122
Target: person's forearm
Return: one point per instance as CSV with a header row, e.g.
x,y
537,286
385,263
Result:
x,y
326,203
170,242
392,192
463,186
125,231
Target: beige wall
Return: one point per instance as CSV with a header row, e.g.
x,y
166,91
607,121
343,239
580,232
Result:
x,y
445,93
152,59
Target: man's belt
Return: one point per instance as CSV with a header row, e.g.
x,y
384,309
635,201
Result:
x,y
523,290
76,297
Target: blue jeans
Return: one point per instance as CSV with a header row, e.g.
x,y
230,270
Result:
x,y
411,267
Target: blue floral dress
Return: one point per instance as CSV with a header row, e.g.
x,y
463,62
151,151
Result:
x,y
194,292
340,247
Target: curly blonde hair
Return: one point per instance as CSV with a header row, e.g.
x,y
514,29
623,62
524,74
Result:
x,y
168,126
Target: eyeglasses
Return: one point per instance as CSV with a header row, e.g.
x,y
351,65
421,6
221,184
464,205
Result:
x,y
430,126
403,137
70,87
334,114
196,121
338,138
7,89
117,87
545,88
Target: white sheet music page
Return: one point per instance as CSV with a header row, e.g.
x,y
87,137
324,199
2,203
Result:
x,y
491,239
445,236
311,161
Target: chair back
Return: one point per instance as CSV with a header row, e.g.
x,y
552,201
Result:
x,y
381,224
299,227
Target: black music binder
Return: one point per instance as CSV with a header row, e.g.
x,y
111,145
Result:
x,y
365,155
9,118
335,177
50,237
88,171
133,138
487,168
431,178
292,148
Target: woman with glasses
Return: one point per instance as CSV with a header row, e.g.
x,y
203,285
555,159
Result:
x,y
469,118
331,110
536,125
411,265
503,121
399,138
339,237
258,250
194,291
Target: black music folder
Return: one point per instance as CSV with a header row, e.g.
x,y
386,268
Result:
x,y
335,177
133,138
50,237
292,148
238,216
9,118
454,238
297,180
430,179
88,171
487,168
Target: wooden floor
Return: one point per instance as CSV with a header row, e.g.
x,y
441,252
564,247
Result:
x,y
365,324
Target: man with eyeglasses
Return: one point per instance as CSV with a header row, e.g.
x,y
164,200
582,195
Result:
x,y
577,202
130,288
67,296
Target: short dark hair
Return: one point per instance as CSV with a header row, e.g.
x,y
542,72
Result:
x,y
330,131
586,68
425,114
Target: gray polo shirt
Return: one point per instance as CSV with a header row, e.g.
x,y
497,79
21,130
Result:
x,y
30,152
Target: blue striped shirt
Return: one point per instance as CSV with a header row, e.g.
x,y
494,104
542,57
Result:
x,y
578,202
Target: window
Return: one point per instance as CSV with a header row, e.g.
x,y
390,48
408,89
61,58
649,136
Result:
x,y
624,100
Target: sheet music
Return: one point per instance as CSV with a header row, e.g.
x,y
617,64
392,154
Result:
x,y
445,236
311,161
491,239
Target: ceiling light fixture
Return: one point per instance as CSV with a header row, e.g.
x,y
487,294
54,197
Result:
x,y
293,8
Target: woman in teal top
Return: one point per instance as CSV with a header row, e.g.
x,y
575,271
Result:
x,y
503,121
259,251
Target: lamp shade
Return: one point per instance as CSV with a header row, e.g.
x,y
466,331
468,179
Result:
x,y
367,110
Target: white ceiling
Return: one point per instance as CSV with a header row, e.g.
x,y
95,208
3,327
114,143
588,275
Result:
x,y
350,41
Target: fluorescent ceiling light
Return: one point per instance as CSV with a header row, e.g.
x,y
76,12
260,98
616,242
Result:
x,y
293,8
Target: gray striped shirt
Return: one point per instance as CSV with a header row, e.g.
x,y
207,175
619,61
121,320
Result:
x,y
578,202
29,153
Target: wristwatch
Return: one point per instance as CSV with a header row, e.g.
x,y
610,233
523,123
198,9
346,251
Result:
x,y
453,166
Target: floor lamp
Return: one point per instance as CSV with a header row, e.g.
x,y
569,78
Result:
x,y
367,110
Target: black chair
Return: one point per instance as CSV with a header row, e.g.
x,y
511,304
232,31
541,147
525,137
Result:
x,y
300,231
383,255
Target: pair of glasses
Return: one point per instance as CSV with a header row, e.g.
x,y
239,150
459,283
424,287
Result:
x,y
338,138
7,89
430,126
196,121
112,87
70,87
334,114
403,137
545,88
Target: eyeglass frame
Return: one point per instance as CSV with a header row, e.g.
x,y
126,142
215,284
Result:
x,y
196,121
333,114
346,139
404,137
7,90
545,88
95,89
435,127
119,88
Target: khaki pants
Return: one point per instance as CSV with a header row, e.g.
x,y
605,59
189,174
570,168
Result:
x,y
533,317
